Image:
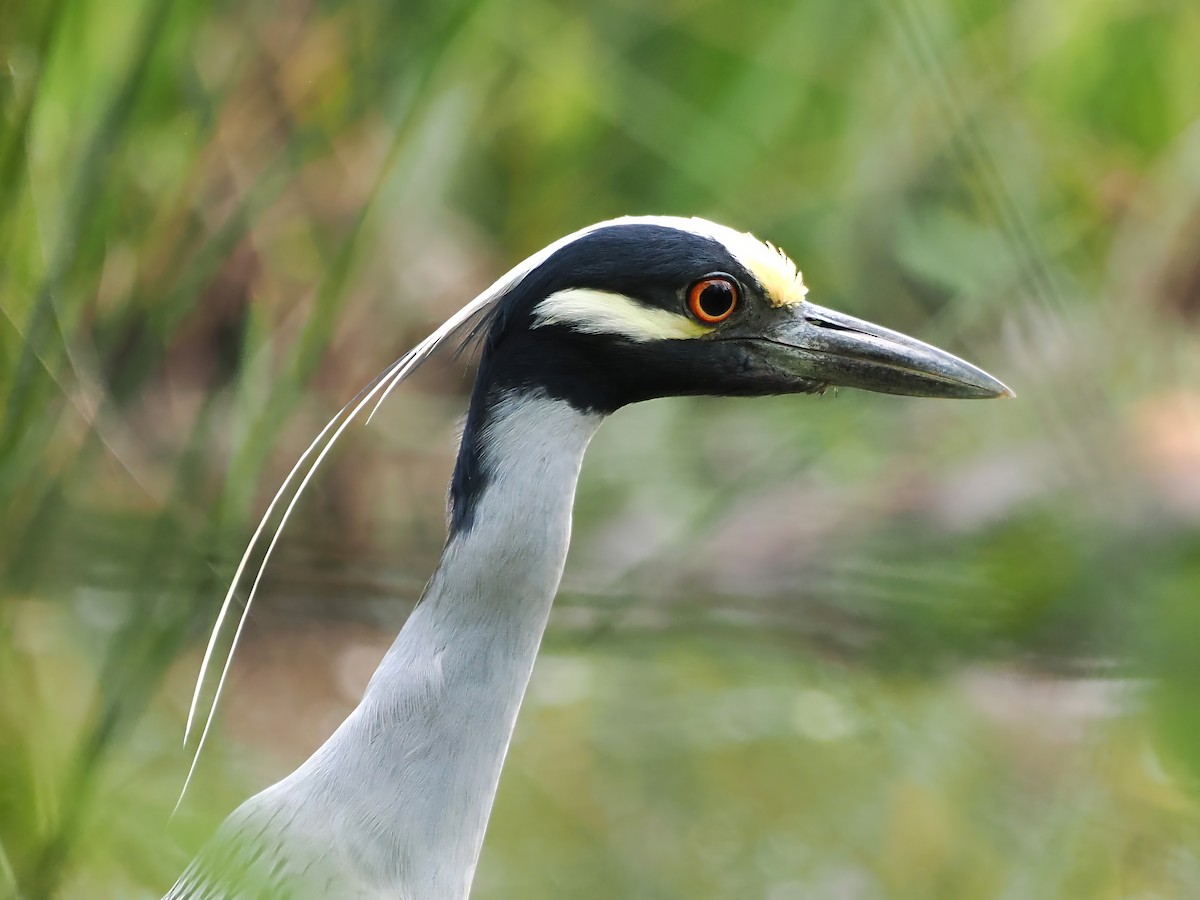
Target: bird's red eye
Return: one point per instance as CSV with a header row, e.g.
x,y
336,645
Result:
x,y
713,299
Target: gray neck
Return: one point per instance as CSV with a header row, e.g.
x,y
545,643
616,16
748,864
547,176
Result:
x,y
410,776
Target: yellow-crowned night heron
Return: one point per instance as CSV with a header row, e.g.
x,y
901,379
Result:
x,y
395,803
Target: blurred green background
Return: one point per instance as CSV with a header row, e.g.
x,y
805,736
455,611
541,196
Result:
x,y
846,647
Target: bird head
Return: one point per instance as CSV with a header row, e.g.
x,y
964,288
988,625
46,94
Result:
x,y
647,307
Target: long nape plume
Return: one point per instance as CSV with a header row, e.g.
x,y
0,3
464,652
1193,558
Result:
x,y
378,390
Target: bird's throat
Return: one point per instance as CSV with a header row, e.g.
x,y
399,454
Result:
x,y
444,701
395,803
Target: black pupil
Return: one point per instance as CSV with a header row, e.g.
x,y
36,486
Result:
x,y
716,298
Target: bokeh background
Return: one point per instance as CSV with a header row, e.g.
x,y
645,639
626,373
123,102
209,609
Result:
x,y
847,647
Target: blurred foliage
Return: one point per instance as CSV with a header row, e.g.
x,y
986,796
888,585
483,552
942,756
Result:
x,y
850,647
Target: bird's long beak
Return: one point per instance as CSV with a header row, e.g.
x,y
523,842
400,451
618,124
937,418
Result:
x,y
833,348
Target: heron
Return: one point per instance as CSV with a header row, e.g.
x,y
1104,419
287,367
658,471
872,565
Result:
x,y
396,802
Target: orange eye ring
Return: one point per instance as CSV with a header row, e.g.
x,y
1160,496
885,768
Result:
x,y
713,298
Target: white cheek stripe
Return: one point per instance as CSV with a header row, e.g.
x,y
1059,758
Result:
x,y
604,312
